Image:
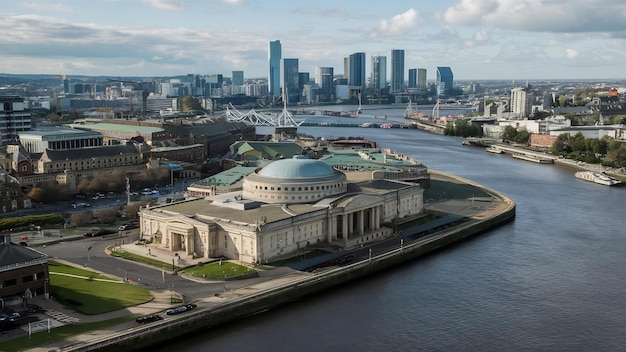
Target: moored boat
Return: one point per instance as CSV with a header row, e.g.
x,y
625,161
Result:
x,y
598,177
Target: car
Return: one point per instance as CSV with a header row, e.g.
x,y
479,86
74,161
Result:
x,y
148,318
128,227
102,233
180,309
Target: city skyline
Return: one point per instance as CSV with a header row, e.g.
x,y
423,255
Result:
x,y
479,39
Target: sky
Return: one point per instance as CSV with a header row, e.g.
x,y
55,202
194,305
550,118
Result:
x,y
478,39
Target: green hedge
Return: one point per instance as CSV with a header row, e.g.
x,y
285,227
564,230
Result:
x,y
23,223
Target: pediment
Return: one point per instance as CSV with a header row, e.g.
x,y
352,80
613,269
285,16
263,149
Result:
x,y
359,201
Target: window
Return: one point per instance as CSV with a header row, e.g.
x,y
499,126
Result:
x,y
11,282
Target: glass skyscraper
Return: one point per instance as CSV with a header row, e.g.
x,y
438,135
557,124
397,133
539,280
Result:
x,y
291,81
357,78
379,73
412,78
237,78
445,80
397,70
421,78
324,77
275,55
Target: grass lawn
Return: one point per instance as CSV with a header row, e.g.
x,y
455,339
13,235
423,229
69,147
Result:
x,y
90,293
142,259
56,334
217,271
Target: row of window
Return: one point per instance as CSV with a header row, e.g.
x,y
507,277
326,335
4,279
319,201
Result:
x,y
24,279
300,189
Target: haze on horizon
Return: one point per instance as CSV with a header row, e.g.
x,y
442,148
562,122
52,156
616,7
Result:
x,y
478,39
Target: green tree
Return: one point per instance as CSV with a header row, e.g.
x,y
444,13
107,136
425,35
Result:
x,y
190,104
522,137
509,133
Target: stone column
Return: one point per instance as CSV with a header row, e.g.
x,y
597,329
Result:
x,y
344,226
372,222
350,225
377,211
361,221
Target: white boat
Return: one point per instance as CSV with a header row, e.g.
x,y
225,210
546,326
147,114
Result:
x,y
597,177
494,150
366,125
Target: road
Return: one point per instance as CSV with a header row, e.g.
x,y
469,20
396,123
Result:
x,y
90,252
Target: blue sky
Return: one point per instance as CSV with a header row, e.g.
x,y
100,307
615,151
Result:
x,y
478,39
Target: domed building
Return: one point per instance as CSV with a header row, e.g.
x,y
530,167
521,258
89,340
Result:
x,y
283,209
293,181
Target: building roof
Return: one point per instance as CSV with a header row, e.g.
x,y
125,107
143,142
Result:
x,y
268,150
90,152
296,168
57,133
115,127
11,254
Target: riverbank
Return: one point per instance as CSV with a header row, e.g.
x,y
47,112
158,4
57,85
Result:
x,y
479,215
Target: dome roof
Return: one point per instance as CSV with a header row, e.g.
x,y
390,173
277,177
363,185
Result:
x,y
296,168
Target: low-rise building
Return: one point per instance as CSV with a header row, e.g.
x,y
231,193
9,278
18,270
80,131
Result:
x,y
282,209
23,272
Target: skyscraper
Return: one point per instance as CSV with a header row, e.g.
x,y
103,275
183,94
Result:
x,y
324,78
397,70
275,55
521,101
445,80
291,81
14,118
237,78
357,78
379,72
421,78
412,78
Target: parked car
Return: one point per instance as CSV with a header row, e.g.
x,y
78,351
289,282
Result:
x,y
180,309
148,318
99,233
127,227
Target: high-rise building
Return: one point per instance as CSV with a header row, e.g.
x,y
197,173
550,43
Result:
x,y
521,101
291,80
379,73
445,80
275,56
237,78
397,70
412,78
421,78
357,78
324,78
14,118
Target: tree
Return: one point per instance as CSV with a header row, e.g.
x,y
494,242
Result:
x,y
81,218
189,104
107,216
509,133
48,192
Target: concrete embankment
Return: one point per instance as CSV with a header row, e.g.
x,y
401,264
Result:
x,y
230,306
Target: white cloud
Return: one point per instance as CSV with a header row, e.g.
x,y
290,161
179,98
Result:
x,y
169,5
400,23
482,36
46,7
571,53
541,15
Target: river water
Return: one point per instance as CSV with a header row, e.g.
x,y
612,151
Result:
x,y
551,280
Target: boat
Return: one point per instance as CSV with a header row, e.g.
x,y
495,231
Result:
x,y
386,125
494,150
366,125
533,158
598,177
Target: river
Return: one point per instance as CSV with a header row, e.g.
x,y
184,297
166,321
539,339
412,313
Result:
x,y
551,280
